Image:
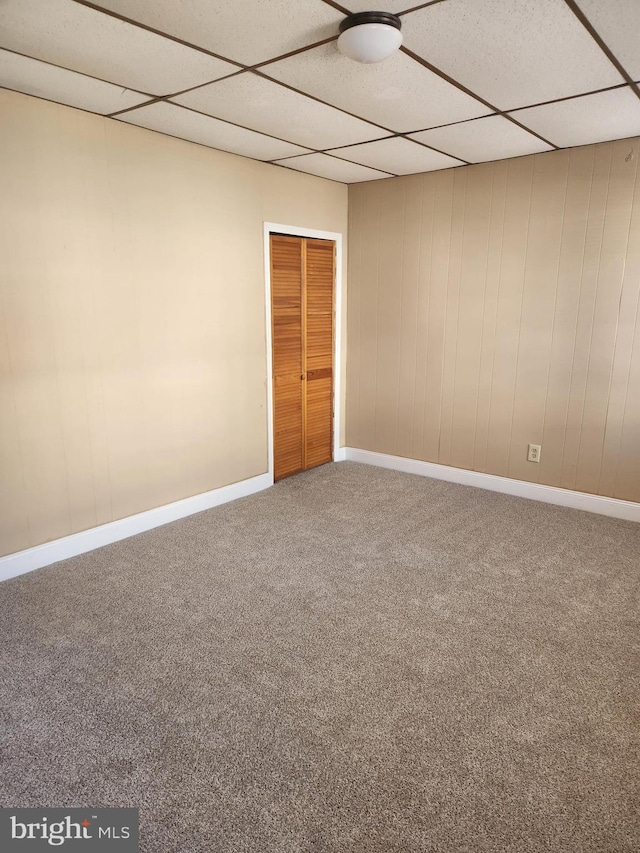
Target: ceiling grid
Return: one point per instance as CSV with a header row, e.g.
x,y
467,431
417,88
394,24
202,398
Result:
x,y
475,80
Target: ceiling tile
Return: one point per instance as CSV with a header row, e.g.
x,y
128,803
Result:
x,y
618,24
194,127
397,155
393,6
81,39
57,84
267,107
492,138
581,121
245,31
325,166
511,52
399,93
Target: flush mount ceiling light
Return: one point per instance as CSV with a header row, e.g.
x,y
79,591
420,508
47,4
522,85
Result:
x,y
370,36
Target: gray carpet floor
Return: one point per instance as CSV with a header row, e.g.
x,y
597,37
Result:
x,y
356,660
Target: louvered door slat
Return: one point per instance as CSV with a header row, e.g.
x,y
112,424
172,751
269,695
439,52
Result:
x,y
288,357
319,278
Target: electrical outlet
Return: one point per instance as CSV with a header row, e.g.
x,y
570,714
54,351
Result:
x,y
534,452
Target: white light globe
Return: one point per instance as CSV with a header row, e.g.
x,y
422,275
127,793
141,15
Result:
x,y
370,43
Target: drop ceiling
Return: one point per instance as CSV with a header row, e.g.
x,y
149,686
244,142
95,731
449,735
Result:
x,y
475,80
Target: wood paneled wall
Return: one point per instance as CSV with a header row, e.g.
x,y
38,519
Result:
x,y
496,305
133,361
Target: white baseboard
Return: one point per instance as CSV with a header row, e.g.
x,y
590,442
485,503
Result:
x,y
87,540
340,454
627,510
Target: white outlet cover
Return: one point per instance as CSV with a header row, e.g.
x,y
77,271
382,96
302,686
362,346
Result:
x,y
534,452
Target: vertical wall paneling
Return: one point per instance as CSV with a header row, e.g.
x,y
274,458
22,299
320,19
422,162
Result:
x,y
538,311
412,238
413,408
607,315
590,263
436,257
501,304
368,353
570,271
353,310
473,285
499,173
628,461
511,271
625,389
389,315
452,306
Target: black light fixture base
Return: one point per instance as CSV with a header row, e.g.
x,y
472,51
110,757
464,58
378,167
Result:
x,y
370,18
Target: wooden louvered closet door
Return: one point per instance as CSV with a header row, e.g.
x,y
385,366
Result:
x,y
302,288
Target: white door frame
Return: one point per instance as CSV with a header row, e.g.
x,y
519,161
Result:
x,y
296,231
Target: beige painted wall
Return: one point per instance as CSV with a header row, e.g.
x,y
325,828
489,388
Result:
x,y
132,318
496,305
